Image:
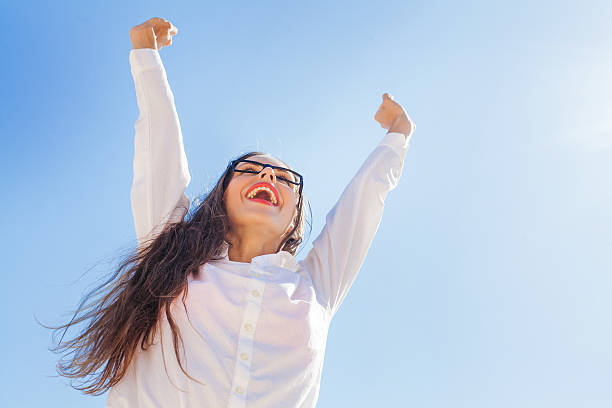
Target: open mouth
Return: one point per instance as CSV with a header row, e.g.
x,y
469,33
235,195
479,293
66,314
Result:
x,y
264,193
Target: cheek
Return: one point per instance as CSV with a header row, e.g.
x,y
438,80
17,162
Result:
x,y
231,198
290,209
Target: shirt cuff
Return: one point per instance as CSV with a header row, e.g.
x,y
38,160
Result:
x,y
142,59
399,142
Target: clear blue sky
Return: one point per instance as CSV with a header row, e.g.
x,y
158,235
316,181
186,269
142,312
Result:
x,y
489,281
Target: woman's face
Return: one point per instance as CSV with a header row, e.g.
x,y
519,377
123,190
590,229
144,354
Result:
x,y
249,201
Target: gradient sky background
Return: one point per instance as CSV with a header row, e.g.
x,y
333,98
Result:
x,y
489,281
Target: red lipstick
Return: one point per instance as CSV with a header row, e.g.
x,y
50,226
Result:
x,y
268,188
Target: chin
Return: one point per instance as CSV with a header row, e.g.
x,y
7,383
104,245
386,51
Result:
x,y
260,219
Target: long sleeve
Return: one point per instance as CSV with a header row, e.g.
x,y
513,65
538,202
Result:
x,y
161,173
339,251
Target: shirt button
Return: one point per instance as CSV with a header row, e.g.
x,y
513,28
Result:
x,y
244,356
248,327
239,389
255,293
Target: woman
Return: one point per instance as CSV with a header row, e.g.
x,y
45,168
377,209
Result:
x,y
213,310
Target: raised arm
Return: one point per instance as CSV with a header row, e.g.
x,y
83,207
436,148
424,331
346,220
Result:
x,y
161,172
339,251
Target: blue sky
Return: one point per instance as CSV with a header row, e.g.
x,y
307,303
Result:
x,y
488,283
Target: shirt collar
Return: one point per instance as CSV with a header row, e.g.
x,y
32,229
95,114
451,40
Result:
x,y
281,259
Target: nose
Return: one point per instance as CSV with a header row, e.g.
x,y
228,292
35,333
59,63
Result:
x,y
268,173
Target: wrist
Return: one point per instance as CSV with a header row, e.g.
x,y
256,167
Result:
x,y
401,124
143,39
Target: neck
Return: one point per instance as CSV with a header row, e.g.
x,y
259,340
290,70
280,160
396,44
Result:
x,y
244,245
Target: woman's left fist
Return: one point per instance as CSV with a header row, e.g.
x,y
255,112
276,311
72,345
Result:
x,y
392,116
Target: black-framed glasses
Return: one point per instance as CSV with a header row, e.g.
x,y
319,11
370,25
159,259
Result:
x,y
283,174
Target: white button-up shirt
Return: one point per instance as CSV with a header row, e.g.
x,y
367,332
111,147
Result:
x,y
254,334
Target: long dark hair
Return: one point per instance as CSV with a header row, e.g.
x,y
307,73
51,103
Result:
x,y
122,313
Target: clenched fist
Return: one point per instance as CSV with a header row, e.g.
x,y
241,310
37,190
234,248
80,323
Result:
x,y
154,33
391,115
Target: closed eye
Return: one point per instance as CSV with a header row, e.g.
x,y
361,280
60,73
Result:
x,y
285,180
248,168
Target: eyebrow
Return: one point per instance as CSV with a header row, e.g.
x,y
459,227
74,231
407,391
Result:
x,y
274,164
281,164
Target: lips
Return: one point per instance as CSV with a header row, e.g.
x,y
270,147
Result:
x,y
264,187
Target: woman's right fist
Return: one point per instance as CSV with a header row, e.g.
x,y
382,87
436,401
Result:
x,y
154,33
392,116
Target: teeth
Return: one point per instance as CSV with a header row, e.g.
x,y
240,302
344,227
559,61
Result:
x,y
266,189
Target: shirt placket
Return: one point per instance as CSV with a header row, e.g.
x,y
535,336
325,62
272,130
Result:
x,y
244,351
